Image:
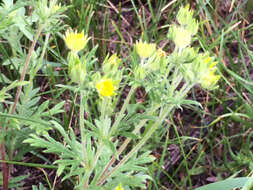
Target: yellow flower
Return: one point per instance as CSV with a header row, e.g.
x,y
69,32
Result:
x,y
209,80
105,87
212,64
145,49
56,8
161,53
208,59
76,41
182,37
113,60
119,187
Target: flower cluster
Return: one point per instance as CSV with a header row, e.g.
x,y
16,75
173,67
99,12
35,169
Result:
x,y
198,68
56,8
202,70
151,59
111,67
182,34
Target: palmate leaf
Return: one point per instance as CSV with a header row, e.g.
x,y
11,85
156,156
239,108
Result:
x,y
70,154
29,105
76,158
137,163
131,173
50,145
41,187
102,132
14,84
132,180
16,182
28,102
29,108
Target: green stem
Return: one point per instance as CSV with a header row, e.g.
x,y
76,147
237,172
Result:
x,y
103,109
116,124
42,55
123,109
81,126
136,130
98,153
31,164
126,142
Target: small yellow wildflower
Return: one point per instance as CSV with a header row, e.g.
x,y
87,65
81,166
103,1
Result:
x,y
209,80
145,49
56,8
113,60
119,187
76,41
212,64
105,87
208,59
182,37
161,53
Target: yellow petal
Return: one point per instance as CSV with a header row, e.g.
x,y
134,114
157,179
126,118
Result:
x,y
209,80
145,49
105,87
119,187
76,41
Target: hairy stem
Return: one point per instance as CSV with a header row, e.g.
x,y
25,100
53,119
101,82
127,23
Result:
x,y
98,153
123,109
127,140
115,126
81,120
31,49
4,168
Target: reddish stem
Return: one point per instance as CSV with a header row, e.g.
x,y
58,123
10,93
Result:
x,y
4,168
